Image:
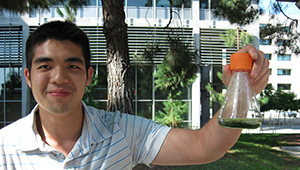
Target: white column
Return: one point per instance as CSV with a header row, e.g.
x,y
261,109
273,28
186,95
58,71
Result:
x,y
196,107
25,89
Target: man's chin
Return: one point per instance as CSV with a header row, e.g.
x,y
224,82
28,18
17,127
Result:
x,y
60,108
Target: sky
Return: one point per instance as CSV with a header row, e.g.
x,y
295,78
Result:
x,y
289,8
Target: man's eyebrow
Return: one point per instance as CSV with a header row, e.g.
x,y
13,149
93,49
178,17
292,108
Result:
x,y
42,59
74,59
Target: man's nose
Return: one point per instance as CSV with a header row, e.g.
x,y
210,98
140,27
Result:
x,y
59,76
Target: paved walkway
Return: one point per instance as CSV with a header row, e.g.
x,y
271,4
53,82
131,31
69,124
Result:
x,y
293,150
295,129
289,129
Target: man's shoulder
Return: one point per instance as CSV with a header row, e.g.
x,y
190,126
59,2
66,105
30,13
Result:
x,y
104,115
16,128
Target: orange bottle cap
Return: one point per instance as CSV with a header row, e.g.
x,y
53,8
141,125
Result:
x,y
240,61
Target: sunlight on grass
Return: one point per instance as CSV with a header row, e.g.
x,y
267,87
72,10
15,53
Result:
x,y
253,152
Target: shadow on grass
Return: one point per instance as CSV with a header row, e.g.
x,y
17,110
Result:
x,y
251,152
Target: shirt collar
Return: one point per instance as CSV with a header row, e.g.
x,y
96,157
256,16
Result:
x,y
94,130
30,138
94,125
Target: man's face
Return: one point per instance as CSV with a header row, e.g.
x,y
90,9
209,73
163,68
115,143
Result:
x,y
58,76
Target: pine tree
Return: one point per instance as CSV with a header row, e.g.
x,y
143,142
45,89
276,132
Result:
x,y
69,10
239,12
175,73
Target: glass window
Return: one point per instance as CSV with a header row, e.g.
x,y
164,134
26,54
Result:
x,y
10,80
214,4
2,84
204,4
1,111
268,56
131,21
284,57
147,3
102,105
165,3
262,26
186,3
283,42
13,111
160,95
284,72
286,29
92,3
162,3
265,42
33,13
144,82
144,109
159,22
13,86
187,23
284,86
101,87
269,86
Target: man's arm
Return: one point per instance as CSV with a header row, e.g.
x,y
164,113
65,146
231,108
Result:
x,y
210,143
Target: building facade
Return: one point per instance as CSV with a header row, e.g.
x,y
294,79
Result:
x,y
284,67
193,22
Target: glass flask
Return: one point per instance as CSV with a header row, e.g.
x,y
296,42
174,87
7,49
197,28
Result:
x,y
240,108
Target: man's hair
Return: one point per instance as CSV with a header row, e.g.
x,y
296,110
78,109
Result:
x,y
58,30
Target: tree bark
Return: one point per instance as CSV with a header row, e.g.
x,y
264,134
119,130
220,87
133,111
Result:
x,y
237,36
118,74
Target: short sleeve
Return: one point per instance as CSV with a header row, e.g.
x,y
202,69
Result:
x,y
145,137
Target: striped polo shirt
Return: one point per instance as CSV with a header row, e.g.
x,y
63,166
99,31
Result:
x,y
109,140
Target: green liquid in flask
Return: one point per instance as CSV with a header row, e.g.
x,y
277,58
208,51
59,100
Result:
x,y
241,123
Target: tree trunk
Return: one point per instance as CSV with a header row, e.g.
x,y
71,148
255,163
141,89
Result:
x,y
237,36
118,74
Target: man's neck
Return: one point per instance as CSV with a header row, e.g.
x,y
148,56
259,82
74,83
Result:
x,y
60,131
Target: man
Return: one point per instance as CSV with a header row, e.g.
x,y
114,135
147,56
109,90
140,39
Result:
x,y
62,132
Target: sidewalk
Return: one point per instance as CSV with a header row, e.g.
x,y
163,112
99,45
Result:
x,y
293,150
282,126
295,129
291,129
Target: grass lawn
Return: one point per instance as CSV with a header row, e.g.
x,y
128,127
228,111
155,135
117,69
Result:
x,y
252,152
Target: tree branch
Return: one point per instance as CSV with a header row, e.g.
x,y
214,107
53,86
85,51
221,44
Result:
x,y
171,11
279,7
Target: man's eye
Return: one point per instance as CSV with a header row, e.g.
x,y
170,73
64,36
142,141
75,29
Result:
x,y
73,67
44,67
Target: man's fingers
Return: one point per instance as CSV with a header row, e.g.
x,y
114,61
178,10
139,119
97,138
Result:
x,y
251,50
258,65
226,75
262,80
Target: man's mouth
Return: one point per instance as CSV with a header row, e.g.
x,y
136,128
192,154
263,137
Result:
x,y
59,92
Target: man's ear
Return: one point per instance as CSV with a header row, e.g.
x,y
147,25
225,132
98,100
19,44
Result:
x,y
27,76
90,74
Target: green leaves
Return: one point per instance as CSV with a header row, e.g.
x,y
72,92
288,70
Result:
x,y
215,96
279,100
89,91
70,12
173,113
230,38
176,72
239,12
24,6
